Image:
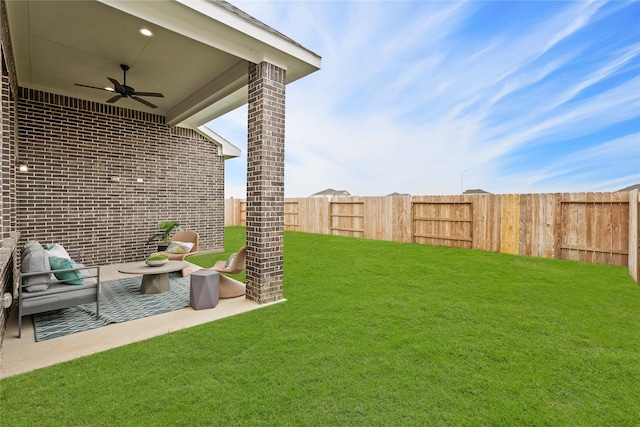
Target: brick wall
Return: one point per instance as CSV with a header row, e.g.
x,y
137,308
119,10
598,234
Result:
x,y
75,148
7,160
265,182
8,276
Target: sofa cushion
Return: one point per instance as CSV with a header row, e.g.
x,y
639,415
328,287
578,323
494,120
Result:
x,y
36,261
179,247
69,277
57,293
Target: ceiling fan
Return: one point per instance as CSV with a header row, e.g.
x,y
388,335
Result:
x,y
124,91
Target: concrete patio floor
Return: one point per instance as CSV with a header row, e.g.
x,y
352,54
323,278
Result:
x,y
19,355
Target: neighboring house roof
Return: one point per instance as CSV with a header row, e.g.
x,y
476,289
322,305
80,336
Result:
x,y
330,192
476,191
397,194
198,56
631,187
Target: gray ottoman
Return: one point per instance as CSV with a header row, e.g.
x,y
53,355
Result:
x,y
204,289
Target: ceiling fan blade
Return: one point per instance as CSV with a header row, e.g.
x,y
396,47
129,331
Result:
x,y
147,103
114,99
92,87
117,85
159,95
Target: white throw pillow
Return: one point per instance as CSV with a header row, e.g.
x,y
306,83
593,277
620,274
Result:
x,y
86,276
179,247
58,251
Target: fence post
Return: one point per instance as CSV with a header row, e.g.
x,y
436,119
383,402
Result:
x,y
557,224
634,235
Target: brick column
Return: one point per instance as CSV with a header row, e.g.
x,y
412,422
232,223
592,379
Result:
x,y
265,182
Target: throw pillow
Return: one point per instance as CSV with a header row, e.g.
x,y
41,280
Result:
x,y
68,277
87,278
179,247
31,245
229,264
57,250
36,261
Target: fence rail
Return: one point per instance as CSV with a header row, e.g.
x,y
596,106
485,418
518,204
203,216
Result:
x,y
597,228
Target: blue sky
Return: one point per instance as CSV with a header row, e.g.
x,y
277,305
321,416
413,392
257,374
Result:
x,y
432,97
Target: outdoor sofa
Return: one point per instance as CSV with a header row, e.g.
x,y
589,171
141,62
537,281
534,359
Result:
x,y
51,280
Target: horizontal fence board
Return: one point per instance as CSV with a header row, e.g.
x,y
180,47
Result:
x,y
429,236
355,230
592,249
587,227
426,218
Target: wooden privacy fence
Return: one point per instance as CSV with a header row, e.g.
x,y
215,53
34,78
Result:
x,y
589,227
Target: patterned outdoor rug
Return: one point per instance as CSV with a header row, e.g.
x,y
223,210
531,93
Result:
x,y
120,301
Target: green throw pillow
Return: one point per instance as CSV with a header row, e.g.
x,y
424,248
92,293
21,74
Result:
x,y
69,277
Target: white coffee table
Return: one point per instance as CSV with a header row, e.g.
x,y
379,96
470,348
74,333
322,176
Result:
x,y
154,279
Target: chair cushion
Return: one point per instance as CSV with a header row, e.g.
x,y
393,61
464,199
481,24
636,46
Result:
x,y
176,247
69,277
229,264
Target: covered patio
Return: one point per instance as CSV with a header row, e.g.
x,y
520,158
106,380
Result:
x,y
103,166
25,354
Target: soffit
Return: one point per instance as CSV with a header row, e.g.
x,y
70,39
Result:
x,y
198,57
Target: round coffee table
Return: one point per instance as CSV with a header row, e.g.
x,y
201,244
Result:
x,y
154,279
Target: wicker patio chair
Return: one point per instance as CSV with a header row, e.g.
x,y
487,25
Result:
x,y
236,263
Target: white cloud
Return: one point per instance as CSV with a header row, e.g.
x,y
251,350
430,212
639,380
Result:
x,y
409,99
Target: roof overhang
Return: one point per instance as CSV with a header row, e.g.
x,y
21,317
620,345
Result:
x,y
227,149
198,56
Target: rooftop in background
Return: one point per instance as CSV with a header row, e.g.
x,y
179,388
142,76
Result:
x,y
330,192
631,187
476,191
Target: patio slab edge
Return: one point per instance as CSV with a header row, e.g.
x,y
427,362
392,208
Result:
x,y
20,355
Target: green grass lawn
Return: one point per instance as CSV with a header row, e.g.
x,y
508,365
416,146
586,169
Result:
x,y
374,334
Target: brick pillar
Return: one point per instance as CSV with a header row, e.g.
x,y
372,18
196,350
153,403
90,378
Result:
x,y
265,182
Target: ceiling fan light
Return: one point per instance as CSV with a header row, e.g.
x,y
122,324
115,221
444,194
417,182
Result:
x,y
110,89
146,32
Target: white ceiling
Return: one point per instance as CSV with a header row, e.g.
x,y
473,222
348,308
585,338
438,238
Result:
x,y
197,58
